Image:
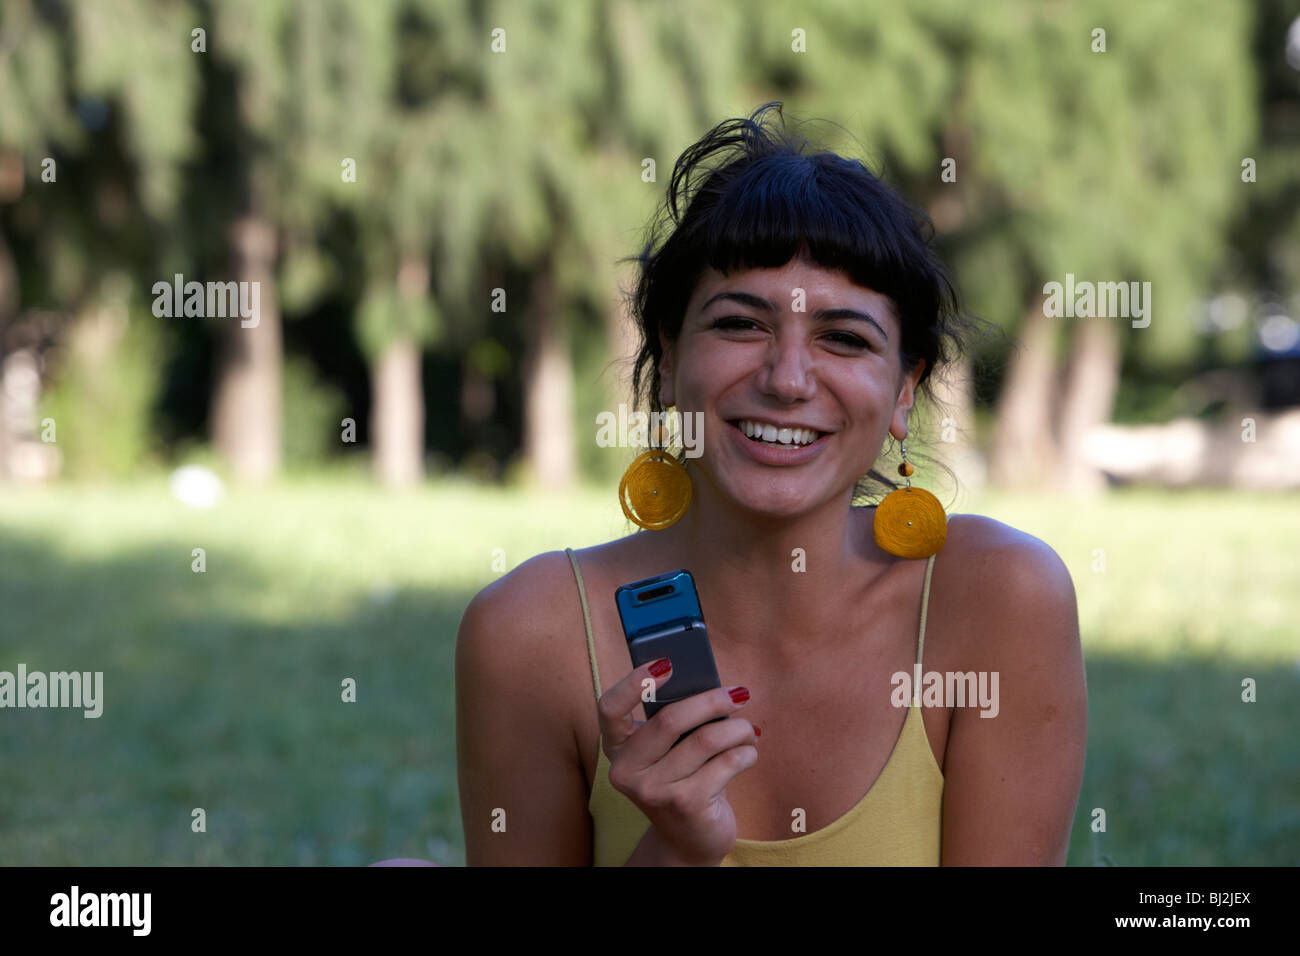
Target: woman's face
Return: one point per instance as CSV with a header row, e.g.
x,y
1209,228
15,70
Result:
x,y
794,346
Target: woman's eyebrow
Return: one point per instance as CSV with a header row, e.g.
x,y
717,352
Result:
x,y
821,315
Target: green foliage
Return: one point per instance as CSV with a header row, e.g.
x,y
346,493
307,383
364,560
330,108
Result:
x,y
385,315
313,413
489,357
105,380
139,53
1115,166
33,81
304,277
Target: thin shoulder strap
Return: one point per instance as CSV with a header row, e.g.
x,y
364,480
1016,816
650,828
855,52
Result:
x,y
925,606
586,620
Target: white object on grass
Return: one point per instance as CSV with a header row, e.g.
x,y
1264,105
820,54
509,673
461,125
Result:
x,y
196,486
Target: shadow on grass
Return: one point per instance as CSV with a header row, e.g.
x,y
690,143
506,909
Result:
x,y
205,706
210,705
1186,772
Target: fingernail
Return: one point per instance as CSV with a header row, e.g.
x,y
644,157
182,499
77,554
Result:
x,y
661,667
739,695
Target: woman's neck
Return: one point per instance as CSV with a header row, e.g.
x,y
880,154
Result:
x,y
774,579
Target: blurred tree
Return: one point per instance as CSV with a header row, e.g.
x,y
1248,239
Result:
x,y
102,145
302,76
263,43
669,71
34,114
398,132
436,221
541,77
1112,166
355,139
565,98
1102,141
1265,233
319,126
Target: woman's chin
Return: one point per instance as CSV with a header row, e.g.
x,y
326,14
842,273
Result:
x,y
776,507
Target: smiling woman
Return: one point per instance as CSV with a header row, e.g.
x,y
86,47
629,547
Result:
x,y
768,204
797,308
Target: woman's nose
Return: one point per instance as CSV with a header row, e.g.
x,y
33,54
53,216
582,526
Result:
x,y
789,372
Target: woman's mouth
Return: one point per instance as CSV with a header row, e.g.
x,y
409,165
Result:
x,y
765,433
776,444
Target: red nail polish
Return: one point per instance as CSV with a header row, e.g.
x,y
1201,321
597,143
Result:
x,y
661,667
739,695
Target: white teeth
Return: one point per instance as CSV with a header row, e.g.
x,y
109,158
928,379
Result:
x,y
772,434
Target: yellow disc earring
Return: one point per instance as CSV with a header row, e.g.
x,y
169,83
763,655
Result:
x,y
655,490
910,522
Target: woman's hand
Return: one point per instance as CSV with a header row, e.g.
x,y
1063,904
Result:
x,y
681,789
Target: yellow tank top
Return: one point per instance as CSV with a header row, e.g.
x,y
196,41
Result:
x,y
899,822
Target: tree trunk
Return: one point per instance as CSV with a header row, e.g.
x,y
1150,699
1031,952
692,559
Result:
x,y
1089,398
247,401
548,389
1024,451
397,418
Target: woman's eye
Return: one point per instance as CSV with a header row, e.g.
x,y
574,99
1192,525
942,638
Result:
x,y
733,322
849,339
742,324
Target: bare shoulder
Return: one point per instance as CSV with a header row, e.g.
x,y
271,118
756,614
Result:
x,y
985,536
528,584
525,634
536,581
1002,562
523,615
1012,593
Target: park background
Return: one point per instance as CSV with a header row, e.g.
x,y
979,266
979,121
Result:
x,y
434,197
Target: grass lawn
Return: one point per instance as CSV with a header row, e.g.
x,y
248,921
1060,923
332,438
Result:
x,y
222,688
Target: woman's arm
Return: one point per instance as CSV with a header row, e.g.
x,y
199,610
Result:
x,y
515,745
1011,782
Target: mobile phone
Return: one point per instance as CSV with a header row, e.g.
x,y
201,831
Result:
x,y
661,617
